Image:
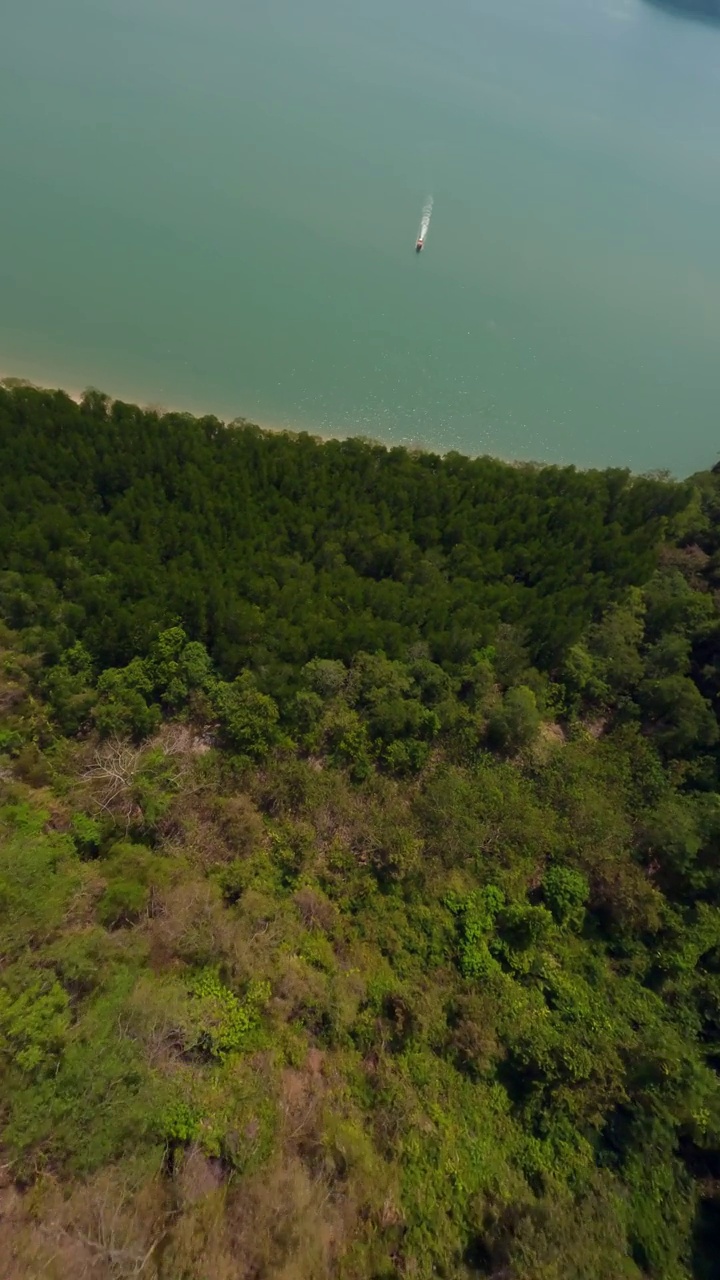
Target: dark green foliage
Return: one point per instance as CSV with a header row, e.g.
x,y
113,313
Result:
x,y
516,721
122,903
248,719
566,892
123,707
68,687
558,1235
87,834
140,521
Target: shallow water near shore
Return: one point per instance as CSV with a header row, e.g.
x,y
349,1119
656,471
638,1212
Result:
x,y
216,206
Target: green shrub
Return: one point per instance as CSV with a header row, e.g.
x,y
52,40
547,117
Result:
x,y
566,892
514,725
124,707
123,903
87,833
155,783
34,1025
179,1122
95,1103
10,741
32,766
476,913
318,951
406,757
225,1024
348,743
68,685
248,719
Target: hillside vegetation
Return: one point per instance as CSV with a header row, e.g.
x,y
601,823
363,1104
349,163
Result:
x,y
359,859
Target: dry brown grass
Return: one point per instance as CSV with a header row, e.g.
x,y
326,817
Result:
x,y
297,1218
303,1094
198,1177
300,992
315,910
190,924
282,1225
304,1241
212,830
103,1230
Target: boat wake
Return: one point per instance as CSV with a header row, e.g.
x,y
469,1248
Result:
x,y
424,224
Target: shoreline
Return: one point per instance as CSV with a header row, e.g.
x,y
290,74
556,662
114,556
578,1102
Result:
x,y
76,395
276,428
415,447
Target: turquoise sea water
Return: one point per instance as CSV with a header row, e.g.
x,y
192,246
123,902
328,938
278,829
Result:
x,y
214,206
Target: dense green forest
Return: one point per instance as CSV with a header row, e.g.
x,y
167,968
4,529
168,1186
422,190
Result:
x,y
359,858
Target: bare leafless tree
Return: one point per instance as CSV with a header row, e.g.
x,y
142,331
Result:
x,y
112,774
106,1221
111,778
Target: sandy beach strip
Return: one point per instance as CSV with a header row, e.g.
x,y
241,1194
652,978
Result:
x,y
9,380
